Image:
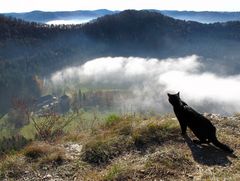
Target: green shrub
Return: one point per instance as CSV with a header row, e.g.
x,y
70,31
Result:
x,y
112,119
50,126
14,143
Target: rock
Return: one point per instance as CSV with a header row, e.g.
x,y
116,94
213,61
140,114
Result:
x,y
76,148
45,168
73,148
48,176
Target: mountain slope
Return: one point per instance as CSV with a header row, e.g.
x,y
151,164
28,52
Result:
x,y
157,35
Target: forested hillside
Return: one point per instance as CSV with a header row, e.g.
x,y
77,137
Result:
x,y
29,51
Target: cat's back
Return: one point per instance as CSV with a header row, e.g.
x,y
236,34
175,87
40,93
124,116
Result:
x,y
196,119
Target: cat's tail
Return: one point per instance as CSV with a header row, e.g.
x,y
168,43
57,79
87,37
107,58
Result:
x,y
222,146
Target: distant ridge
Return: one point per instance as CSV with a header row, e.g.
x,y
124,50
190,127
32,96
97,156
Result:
x,y
45,17
202,16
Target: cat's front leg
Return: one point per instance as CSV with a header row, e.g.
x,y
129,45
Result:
x,y
183,127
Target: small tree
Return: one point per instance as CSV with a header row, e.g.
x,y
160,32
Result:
x,y
51,125
20,114
48,126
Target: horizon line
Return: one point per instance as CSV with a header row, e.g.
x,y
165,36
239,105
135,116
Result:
x,y
52,11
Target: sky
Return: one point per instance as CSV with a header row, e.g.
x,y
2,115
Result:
x,y
70,5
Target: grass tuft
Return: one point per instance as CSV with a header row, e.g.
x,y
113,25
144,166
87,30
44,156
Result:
x,y
45,153
114,172
112,119
11,167
153,133
37,150
101,151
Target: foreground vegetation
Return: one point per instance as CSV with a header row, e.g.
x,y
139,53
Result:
x,y
127,147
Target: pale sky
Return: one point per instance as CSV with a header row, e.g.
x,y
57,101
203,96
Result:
x,y
69,5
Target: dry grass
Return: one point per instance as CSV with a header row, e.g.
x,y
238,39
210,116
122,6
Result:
x,y
154,132
164,153
11,167
37,150
122,136
130,148
169,161
45,153
101,151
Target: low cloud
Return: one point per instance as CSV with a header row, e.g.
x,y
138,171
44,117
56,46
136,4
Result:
x,y
69,21
150,79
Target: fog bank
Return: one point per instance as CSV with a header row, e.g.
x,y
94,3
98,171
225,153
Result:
x,y
69,21
150,79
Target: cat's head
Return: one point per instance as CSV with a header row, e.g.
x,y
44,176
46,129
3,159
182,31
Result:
x,y
174,99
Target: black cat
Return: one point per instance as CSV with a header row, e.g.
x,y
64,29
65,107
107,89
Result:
x,y
200,126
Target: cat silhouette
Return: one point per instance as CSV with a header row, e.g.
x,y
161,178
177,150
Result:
x,y
202,128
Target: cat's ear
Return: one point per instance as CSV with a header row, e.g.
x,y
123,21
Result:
x,y
178,94
168,94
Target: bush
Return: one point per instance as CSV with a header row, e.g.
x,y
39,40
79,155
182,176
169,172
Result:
x,y
50,126
14,143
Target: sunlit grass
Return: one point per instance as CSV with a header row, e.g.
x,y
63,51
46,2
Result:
x,y
129,147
